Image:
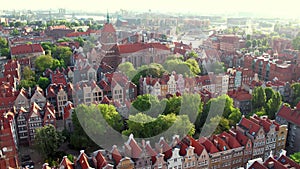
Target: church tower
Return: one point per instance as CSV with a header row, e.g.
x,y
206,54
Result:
x,y
109,48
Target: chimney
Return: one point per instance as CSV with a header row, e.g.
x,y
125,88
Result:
x,y
271,165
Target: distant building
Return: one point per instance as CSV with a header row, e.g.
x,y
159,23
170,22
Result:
x,y
27,50
290,117
8,137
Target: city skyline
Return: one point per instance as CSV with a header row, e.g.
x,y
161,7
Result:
x,y
266,8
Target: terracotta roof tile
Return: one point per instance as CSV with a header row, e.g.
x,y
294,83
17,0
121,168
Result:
x,y
26,49
250,125
101,161
209,146
290,115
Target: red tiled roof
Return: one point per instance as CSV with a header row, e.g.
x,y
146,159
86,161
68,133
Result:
x,y
230,140
198,147
134,147
250,125
101,161
220,143
209,146
287,161
131,48
58,78
66,163
105,100
58,27
290,115
76,34
26,49
7,102
257,165
151,152
11,65
241,138
83,160
116,155
67,110
240,95
108,27
166,148
277,165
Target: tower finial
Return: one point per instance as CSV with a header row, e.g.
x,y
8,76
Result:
x,y
107,17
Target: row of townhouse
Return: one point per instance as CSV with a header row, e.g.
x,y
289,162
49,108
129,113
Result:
x,y
177,83
290,117
8,140
256,137
112,86
29,120
282,161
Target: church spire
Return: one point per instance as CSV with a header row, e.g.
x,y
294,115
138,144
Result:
x,y
107,17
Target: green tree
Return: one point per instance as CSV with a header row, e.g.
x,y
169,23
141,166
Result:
x,y
142,125
28,74
3,43
248,37
193,54
43,62
248,44
259,42
296,157
217,124
128,69
111,116
5,52
178,66
80,40
273,105
154,69
258,98
295,94
296,42
147,104
254,43
173,105
269,93
193,66
26,84
62,53
95,121
47,140
217,67
264,42
43,82
15,32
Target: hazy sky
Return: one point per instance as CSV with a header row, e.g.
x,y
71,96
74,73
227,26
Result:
x,y
285,8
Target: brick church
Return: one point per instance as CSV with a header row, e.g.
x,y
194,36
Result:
x,y
109,52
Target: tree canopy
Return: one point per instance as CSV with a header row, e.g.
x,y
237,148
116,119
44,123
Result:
x,y
295,94
43,82
144,126
296,157
222,107
95,121
47,62
48,140
128,69
258,98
